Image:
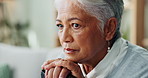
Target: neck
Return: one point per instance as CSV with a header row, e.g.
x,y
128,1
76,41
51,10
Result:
x,y
91,64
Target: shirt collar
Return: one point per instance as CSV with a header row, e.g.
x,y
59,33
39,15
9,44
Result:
x,y
109,61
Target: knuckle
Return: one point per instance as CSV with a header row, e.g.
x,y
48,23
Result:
x,y
69,63
56,63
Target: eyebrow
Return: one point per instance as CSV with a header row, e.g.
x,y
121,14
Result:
x,y
58,20
70,19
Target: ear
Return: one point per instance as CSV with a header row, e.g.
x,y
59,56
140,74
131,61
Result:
x,y
110,28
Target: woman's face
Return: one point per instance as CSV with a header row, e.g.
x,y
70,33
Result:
x,y
79,33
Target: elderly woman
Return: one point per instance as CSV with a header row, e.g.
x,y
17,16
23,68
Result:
x,y
92,44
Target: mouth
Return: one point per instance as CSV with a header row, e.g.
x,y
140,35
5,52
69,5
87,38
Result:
x,y
70,51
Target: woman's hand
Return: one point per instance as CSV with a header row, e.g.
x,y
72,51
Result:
x,y
57,72
61,68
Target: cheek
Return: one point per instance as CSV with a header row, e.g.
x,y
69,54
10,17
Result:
x,y
83,40
90,40
60,38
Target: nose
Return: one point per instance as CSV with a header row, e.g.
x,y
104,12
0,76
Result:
x,y
66,36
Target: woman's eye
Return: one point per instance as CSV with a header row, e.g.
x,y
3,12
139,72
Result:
x,y
60,26
76,26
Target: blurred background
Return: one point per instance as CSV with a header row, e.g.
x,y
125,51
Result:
x,y
28,34
31,23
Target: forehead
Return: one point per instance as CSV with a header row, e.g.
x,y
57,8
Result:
x,y
70,8
65,4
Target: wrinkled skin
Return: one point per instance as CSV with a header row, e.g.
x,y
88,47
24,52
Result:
x,y
80,32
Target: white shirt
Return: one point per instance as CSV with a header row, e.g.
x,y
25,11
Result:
x,y
112,59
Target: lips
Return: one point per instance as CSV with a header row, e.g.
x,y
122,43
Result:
x,y
69,50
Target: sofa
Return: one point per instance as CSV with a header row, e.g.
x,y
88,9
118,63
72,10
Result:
x,y
22,62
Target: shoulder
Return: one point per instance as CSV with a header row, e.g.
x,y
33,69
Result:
x,y
137,51
136,56
133,65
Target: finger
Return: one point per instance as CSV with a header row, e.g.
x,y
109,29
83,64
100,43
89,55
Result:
x,y
73,67
64,73
50,73
51,65
56,72
46,74
48,62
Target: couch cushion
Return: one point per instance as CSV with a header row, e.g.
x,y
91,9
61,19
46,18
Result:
x,y
24,62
